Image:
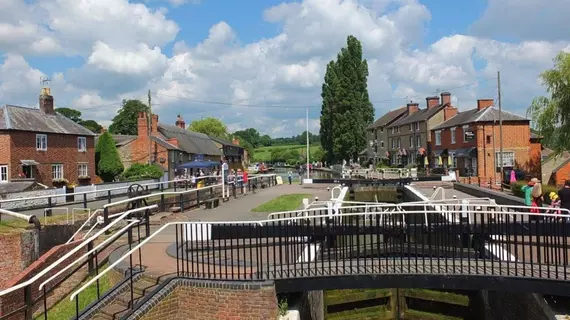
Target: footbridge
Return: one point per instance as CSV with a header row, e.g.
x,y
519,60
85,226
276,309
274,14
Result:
x,y
469,244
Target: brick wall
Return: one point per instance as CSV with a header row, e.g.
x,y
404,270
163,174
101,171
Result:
x,y
516,138
17,250
14,300
215,300
61,149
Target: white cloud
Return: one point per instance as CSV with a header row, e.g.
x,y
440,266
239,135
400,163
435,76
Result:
x,y
123,47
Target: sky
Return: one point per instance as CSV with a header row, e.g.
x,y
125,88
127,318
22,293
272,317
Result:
x,y
261,63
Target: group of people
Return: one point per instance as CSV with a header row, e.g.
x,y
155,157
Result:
x,y
534,198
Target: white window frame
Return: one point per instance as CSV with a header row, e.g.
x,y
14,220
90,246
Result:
x,y
4,174
508,159
81,144
465,128
438,137
452,132
418,141
453,159
411,141
417,126
381,129
412,126
57,174
41,142
82,170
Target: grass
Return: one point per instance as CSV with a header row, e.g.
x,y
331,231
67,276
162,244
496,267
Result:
x,y
421,315
285,202
353,295
17,225
263,154
65,308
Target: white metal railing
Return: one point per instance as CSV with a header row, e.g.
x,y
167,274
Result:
x,y
88,253
86,223
200,225
71,252
18,215
437,191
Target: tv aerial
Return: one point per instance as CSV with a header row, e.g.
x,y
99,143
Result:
x,y
45,81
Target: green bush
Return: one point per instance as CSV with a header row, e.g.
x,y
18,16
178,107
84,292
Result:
x,y
516,188
109,163
139,171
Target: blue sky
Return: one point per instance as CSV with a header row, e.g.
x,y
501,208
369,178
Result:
x,y
272,53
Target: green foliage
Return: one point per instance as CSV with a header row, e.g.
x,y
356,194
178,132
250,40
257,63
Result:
x,y
246,145
140,171
72,114
210,126
257,140
91,125
283,307
346,108
286,202
251,135
75,116
263,154
290,156
126,120
107,158
551,116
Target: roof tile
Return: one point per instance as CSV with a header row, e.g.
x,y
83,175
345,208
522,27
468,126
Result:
x,y
34,120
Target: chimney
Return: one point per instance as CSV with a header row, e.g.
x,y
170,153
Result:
x,y
445,98
235,141
484,103
180,122
412,107
432,102
154,124
46,101
103,130
142,125
449,112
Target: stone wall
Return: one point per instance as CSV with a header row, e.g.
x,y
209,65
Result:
x,y
15,300
311,305
216,300
512,306
18,251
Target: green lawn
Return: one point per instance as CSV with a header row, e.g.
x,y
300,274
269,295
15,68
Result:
x,y
17,225
65,309
263,154
285,202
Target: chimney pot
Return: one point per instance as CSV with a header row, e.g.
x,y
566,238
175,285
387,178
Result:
x,y
412,107
180,122
432,102
46,101
484,103
445,98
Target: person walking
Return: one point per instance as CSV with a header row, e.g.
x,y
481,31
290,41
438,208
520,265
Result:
x,y
537,201
527,190
290,177
564,195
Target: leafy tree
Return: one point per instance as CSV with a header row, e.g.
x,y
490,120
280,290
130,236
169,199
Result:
x,y
91,125
210,126
107,158
346,108
125,122
265,140
72,114
139,171
551,116
251,135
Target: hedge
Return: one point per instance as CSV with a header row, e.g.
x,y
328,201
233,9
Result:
x,y
516,188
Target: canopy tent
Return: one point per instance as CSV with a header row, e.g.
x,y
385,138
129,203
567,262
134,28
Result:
x,y
198,164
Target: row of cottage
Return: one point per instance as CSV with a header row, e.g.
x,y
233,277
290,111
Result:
x,y
441,136
42,146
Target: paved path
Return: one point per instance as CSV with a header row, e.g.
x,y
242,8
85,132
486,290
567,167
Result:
x,y
154,255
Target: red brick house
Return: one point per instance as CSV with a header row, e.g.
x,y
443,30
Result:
x,y
471,140
169,145
43,146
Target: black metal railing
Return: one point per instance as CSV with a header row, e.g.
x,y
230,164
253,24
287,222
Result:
x,y
452,239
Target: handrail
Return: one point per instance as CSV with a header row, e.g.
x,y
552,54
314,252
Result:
x,y
102,190
113,237
158,194
437,191
83,225
72,251
262,222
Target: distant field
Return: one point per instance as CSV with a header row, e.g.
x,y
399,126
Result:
x,y
263,154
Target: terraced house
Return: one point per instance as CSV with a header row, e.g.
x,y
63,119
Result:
x,y
470,143
42,146
409,137
378,135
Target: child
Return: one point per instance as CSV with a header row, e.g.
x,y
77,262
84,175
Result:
x,y
554,203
